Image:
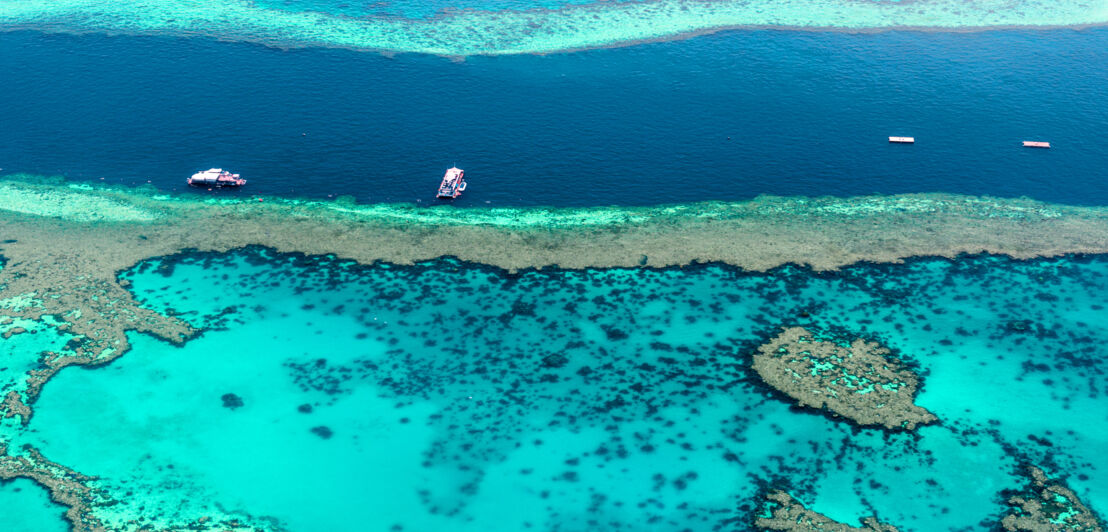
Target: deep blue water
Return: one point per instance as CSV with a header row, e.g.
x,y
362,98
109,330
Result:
x,y
806,112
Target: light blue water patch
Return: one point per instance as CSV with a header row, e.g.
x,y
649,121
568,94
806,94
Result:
x,y
412,9
21,351
451,396
26,507
510,31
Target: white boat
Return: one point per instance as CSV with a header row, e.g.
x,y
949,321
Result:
x,y
453,183
216,177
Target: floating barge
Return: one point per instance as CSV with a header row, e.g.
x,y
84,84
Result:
x,y
902,140
1035,144
453,183
216,177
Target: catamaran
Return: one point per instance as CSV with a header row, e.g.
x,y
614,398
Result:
x,y
453,183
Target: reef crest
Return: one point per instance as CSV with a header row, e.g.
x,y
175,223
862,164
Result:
x,y
483,32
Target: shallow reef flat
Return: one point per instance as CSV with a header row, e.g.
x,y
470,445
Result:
x,y
477,31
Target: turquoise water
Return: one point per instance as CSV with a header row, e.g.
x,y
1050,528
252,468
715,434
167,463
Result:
x,y
413,9
20,352
449,396
511,31
27,508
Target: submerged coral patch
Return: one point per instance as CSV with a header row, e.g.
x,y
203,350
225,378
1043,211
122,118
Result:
x,y
781,512
858,380
1047,505
232,401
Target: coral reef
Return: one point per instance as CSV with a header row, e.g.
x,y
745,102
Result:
x,y
232,401
13,405
65,245
12,332
857,380
66,486
68,241
94,308
479,31
82,498
781,511
1047,505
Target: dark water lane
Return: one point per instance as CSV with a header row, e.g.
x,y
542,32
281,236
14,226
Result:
x,y
807,113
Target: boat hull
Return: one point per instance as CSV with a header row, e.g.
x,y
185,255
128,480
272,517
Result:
x,y
217,185
216,178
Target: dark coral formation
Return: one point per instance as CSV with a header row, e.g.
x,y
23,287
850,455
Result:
x,y
232,401
781,511
13,405
857,380
1047,505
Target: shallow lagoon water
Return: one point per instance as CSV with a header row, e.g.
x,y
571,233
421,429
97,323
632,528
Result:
x,y
578,399
27,508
